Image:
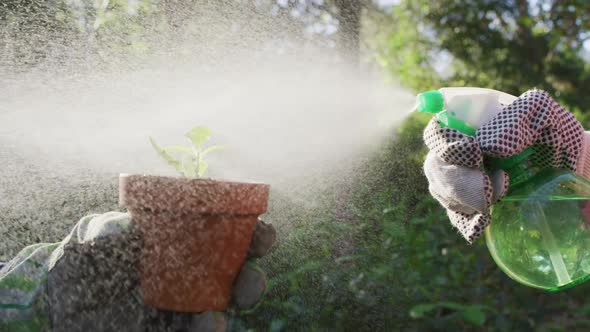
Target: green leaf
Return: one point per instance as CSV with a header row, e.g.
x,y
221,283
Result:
x,y
452,305
474,315
211,149
198,135
179,148
167,156
349,258
420,310
196,166
202,168
277,325
23,283
394,229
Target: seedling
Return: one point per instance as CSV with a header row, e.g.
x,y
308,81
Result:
x,y
190,163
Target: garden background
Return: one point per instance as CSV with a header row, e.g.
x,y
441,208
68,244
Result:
x,y
376,253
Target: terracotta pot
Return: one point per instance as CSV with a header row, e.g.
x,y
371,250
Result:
x,y
196,234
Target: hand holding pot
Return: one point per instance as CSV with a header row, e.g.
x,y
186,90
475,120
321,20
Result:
x,y
90,282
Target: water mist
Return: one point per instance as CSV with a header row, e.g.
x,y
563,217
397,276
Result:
x,y
291,117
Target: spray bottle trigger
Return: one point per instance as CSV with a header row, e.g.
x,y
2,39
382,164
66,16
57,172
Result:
x,y
448,121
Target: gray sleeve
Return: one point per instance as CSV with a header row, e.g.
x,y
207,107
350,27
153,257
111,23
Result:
x,y
94,284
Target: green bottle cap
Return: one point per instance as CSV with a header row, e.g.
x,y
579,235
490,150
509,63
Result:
x,y
430,102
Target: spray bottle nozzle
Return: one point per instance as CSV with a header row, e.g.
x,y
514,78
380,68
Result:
x,y
434,102
430,102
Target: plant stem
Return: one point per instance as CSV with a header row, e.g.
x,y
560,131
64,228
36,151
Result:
x,y
198,163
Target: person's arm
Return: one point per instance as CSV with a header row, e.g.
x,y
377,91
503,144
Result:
x,y
24,301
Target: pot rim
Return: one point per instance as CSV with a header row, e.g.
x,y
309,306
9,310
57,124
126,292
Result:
x,y
192,195
187,179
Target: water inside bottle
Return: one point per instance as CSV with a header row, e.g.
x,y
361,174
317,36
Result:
x,y
540,232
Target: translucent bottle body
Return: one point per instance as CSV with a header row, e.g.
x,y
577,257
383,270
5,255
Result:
x,y
540,232
474,106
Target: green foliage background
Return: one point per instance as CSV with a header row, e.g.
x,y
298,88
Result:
x,y
383,256
409,270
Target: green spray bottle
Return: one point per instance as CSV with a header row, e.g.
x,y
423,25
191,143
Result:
x,y
540,231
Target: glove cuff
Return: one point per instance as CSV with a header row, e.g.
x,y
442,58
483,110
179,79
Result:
x,y
583,165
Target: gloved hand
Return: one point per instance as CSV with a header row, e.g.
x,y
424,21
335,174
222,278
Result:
x,y
454,164
95,284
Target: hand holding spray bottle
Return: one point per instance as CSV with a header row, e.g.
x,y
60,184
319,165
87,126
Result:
x,y
539,233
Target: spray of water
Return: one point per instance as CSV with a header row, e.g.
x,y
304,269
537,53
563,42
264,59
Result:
x,y
288,113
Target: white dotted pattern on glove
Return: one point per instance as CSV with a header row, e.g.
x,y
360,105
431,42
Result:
x,y
534,119
538,120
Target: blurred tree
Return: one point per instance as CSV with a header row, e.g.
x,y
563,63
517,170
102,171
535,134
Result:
x,y
30,28
509,45
349,14
106,32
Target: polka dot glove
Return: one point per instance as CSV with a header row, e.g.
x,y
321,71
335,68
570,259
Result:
x,y
454,165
